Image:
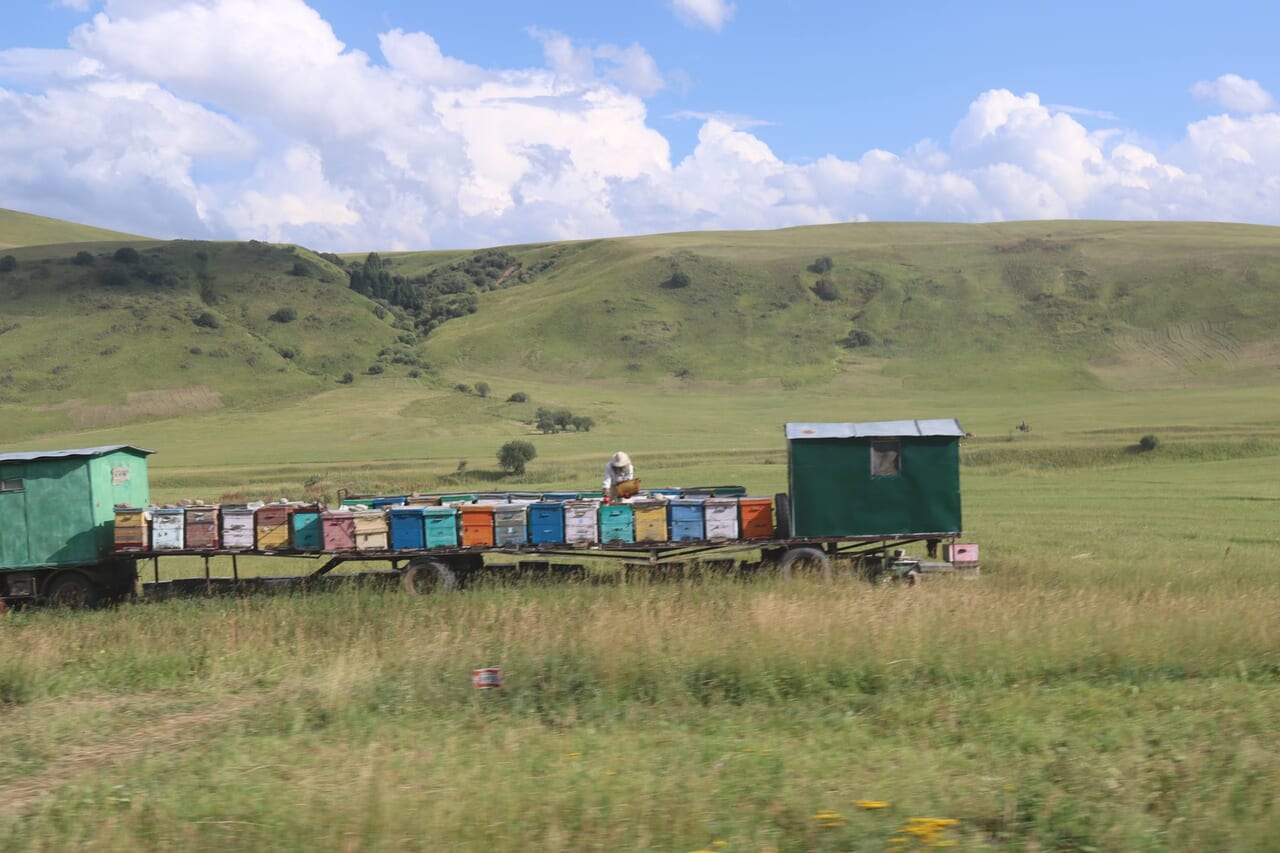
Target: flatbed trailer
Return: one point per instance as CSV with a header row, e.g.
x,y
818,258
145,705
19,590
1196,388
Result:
x,y
874,558
852,489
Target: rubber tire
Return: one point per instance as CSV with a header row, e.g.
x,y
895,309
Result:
x,y
73,591
800,563
424,577
782,516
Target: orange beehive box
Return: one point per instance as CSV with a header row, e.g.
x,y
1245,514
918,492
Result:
x,y
477,524
756,516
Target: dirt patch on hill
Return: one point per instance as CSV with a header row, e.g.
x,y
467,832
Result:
x,y
1181,355
140,404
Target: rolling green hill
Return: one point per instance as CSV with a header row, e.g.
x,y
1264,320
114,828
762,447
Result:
x,y
91,338
26,229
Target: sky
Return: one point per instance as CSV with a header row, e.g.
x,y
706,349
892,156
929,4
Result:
x,y
411,124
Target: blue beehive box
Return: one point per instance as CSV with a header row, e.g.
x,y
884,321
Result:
x,y
546,523
617,523
442,526
308,534
408,527
687,521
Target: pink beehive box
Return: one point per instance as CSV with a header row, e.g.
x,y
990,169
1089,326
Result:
x,y
960,553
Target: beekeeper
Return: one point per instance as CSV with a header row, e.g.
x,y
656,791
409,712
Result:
x,y
618,470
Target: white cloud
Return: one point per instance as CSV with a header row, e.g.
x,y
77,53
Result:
x,y
1235,94
713,14
250,118
78,5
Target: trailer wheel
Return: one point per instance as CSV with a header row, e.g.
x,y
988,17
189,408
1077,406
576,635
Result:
x,y
805,564
782,515
73,591
424,577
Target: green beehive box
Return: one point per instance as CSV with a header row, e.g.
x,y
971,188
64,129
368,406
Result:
x,y
442,527
617,523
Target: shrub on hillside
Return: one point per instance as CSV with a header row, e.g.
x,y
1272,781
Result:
x,y
825,289
347,378
516,454
678,279
83,259
8,263
1148,443
207,320
284,314
113,277
126,255
482,388
518,397
300,269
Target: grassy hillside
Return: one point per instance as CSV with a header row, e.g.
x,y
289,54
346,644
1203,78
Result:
x,y
93,336
1027,305
26,229
857,311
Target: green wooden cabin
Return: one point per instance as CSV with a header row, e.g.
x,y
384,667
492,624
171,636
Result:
x,y
874,479
57,508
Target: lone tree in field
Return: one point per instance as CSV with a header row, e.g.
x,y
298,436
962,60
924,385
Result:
x,y
516,454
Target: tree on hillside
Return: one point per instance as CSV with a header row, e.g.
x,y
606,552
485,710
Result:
x,y
821,265
83,259
126,255
516,454
482,388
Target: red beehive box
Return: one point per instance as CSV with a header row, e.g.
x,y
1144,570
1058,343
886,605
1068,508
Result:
x,y
339,527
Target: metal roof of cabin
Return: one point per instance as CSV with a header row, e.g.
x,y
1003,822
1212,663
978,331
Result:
x,y
876,429
32,455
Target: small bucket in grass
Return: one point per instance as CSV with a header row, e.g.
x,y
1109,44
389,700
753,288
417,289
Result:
x,y
486,678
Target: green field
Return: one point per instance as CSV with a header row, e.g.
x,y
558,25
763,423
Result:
x,y
1111,680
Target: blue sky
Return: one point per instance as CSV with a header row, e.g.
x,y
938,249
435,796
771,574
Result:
x,y
389,124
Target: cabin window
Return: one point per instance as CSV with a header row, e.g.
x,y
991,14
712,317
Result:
x,y
12,485
886,458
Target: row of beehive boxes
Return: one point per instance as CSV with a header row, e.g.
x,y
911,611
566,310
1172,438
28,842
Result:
x,y
304,527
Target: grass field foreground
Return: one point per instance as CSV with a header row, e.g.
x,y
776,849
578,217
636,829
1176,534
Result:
x,y
1108,683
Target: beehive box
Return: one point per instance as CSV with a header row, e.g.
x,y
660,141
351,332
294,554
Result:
x,y
477,525
371,530
960,552
308,530
755,518
546,523
274,524
132,529
238,526
408,527
511,524
167,525
202,528
650,520
442,527
686,519
617,523
581,522
339,529
720,516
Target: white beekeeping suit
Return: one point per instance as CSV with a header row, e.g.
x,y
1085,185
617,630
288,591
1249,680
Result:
x,y
617,470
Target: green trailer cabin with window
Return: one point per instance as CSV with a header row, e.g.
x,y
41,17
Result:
x,y
57,508
888,478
